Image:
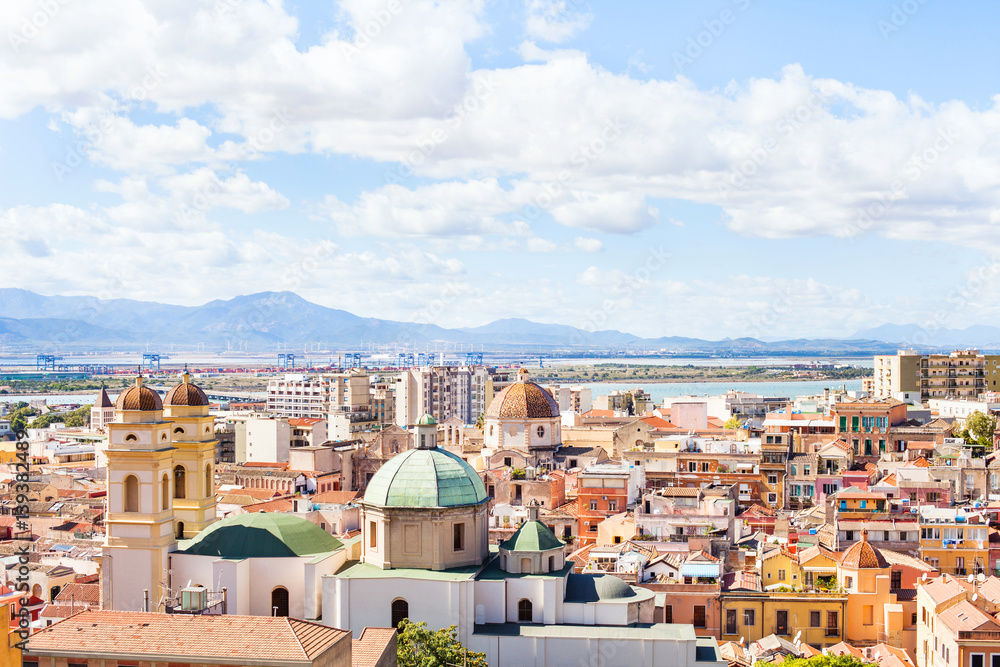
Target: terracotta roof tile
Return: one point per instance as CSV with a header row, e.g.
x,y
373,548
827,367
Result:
x,y
335,497
367,649
201,638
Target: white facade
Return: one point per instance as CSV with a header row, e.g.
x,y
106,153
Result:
x,y
267,440
441,391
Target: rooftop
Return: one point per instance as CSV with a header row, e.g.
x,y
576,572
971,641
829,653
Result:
x,y
184,638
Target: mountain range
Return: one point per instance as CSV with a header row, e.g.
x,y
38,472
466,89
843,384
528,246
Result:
x,y
273,320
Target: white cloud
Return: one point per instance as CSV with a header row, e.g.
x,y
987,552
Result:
x,y
204,189
588,245
555,20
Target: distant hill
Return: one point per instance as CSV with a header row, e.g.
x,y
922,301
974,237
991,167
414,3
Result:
x,y
915,335
266,320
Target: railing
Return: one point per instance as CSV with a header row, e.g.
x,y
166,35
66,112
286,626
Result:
x,y
986,635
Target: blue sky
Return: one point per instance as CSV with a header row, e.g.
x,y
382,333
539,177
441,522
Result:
x,y
713,168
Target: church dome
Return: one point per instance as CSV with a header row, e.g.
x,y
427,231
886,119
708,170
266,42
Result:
x,y
138,397
523,400
262,535
863,556
185,394
596,587
425,478
532,536
426,420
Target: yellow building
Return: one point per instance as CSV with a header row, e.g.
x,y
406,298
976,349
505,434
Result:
x,y
193,436
779,567
160,487
954,542
752,615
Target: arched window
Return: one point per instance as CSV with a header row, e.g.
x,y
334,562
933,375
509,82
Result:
x,y
279,601
131,483
165,492
524,611
178,429
491,429
131,437
180,530
36,590
541,431
209,481
400,610
552,563
525,566
180,482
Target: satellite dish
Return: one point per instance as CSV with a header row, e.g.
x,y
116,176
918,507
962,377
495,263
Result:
x,y
742,639
923,577
876,656
975,596
825,652
971,578
981,577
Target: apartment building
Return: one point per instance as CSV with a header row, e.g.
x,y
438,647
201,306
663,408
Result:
x,y
443,392
960,374
955,624
602,490
866,425
954,541
314,396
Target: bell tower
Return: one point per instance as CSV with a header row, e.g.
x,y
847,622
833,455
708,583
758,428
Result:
x,y
140,518
192,431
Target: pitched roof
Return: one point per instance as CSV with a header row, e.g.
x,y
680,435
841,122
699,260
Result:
x,y
368,649
757,510
657,422
897,558
965,617
335,497
80,593
208,638
944,588
918,463
103,400
276,505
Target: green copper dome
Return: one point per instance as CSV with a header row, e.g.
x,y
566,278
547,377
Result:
x,y
425,478
426,420
262,535
532,536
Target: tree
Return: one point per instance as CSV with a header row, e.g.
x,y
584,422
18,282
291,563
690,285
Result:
x,y
978,429
733,423
481,420
416,646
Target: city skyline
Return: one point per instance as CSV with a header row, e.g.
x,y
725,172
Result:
x,y
712,170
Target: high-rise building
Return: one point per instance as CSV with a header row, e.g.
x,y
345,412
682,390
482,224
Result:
x,y
314,396
445,392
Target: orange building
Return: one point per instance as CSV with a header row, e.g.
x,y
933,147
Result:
x,y
602,490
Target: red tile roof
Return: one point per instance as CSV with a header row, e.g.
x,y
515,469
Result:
x,y
277,505
368,649
201,638
304,421
657,422
335,497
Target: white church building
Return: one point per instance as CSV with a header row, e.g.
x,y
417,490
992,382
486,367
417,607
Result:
x,y
423,553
